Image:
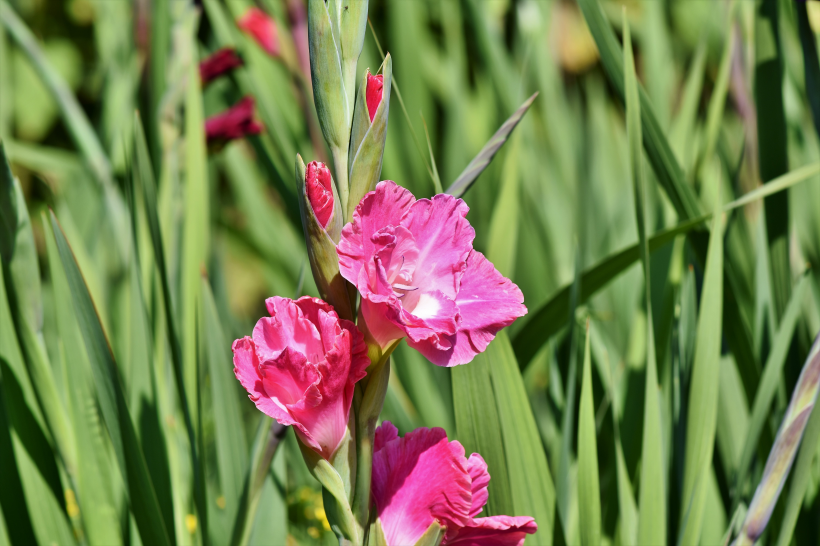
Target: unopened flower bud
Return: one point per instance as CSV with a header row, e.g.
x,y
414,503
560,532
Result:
x,y
320,191
375,89
262,28
321,212
235,122
221,62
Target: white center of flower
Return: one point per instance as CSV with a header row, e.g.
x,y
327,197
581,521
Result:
x,y
427,306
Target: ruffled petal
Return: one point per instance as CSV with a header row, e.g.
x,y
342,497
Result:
x,y
246,369
444,239
492,531
487,302
286,327
419,479
381,207
480,479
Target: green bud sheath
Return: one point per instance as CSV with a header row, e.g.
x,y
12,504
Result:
x,y
353,26
368,138
321,245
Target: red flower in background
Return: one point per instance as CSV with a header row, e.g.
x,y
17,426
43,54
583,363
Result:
x,y
235,122
262,29
221,62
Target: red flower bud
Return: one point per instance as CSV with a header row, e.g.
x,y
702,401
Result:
x,y
375,88
235,122
262,29
319,191
221,62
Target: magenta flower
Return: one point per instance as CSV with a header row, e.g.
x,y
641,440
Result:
x,y
235,122
375,89
300,368
320,191
217,64
422,478
262,28
413,263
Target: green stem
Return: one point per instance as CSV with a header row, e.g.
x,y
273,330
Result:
x,y
340,163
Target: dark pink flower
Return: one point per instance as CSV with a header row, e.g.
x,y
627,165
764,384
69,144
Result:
x,y
413,263
235,122
320,191
375,90
262,29
422,478
300,368
221,62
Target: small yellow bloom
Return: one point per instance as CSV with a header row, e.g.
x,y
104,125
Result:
x,y
190,523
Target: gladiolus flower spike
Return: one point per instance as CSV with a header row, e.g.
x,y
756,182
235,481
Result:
x,y
422,479
218,64
414,265
262,28
300,367
235,122
320,191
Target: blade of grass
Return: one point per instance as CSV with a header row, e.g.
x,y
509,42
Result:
x,y
772,145
769,382
143,173
480,162
229,435
531,486
589,492
551,316
811,63
652,497
94,486
436,178
680,135
143,500
504,223
784,449
701,418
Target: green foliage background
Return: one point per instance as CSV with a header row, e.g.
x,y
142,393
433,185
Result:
x,y
636,403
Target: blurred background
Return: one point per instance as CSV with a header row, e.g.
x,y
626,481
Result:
x,y
557,199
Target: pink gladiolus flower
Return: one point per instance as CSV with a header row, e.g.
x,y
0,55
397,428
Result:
x,y
262,29
221,62
375,89
319,190
414,265
300,368
235,122
423,478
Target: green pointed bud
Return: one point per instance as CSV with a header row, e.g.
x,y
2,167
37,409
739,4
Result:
x,y
321,213
332,104
369,134
353,25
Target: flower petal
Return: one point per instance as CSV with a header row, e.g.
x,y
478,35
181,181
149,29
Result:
x,y
487,302
444,239
493,531
480,478
419,479
381,207
387,432
286,327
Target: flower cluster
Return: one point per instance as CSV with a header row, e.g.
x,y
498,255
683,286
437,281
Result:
x,y
388,267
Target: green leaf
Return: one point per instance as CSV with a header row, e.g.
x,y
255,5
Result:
x,y
772,376
478,427
231,447
703,395
480,162
504,224
143,500
531,487
589,492
95,493
652,496
551,316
